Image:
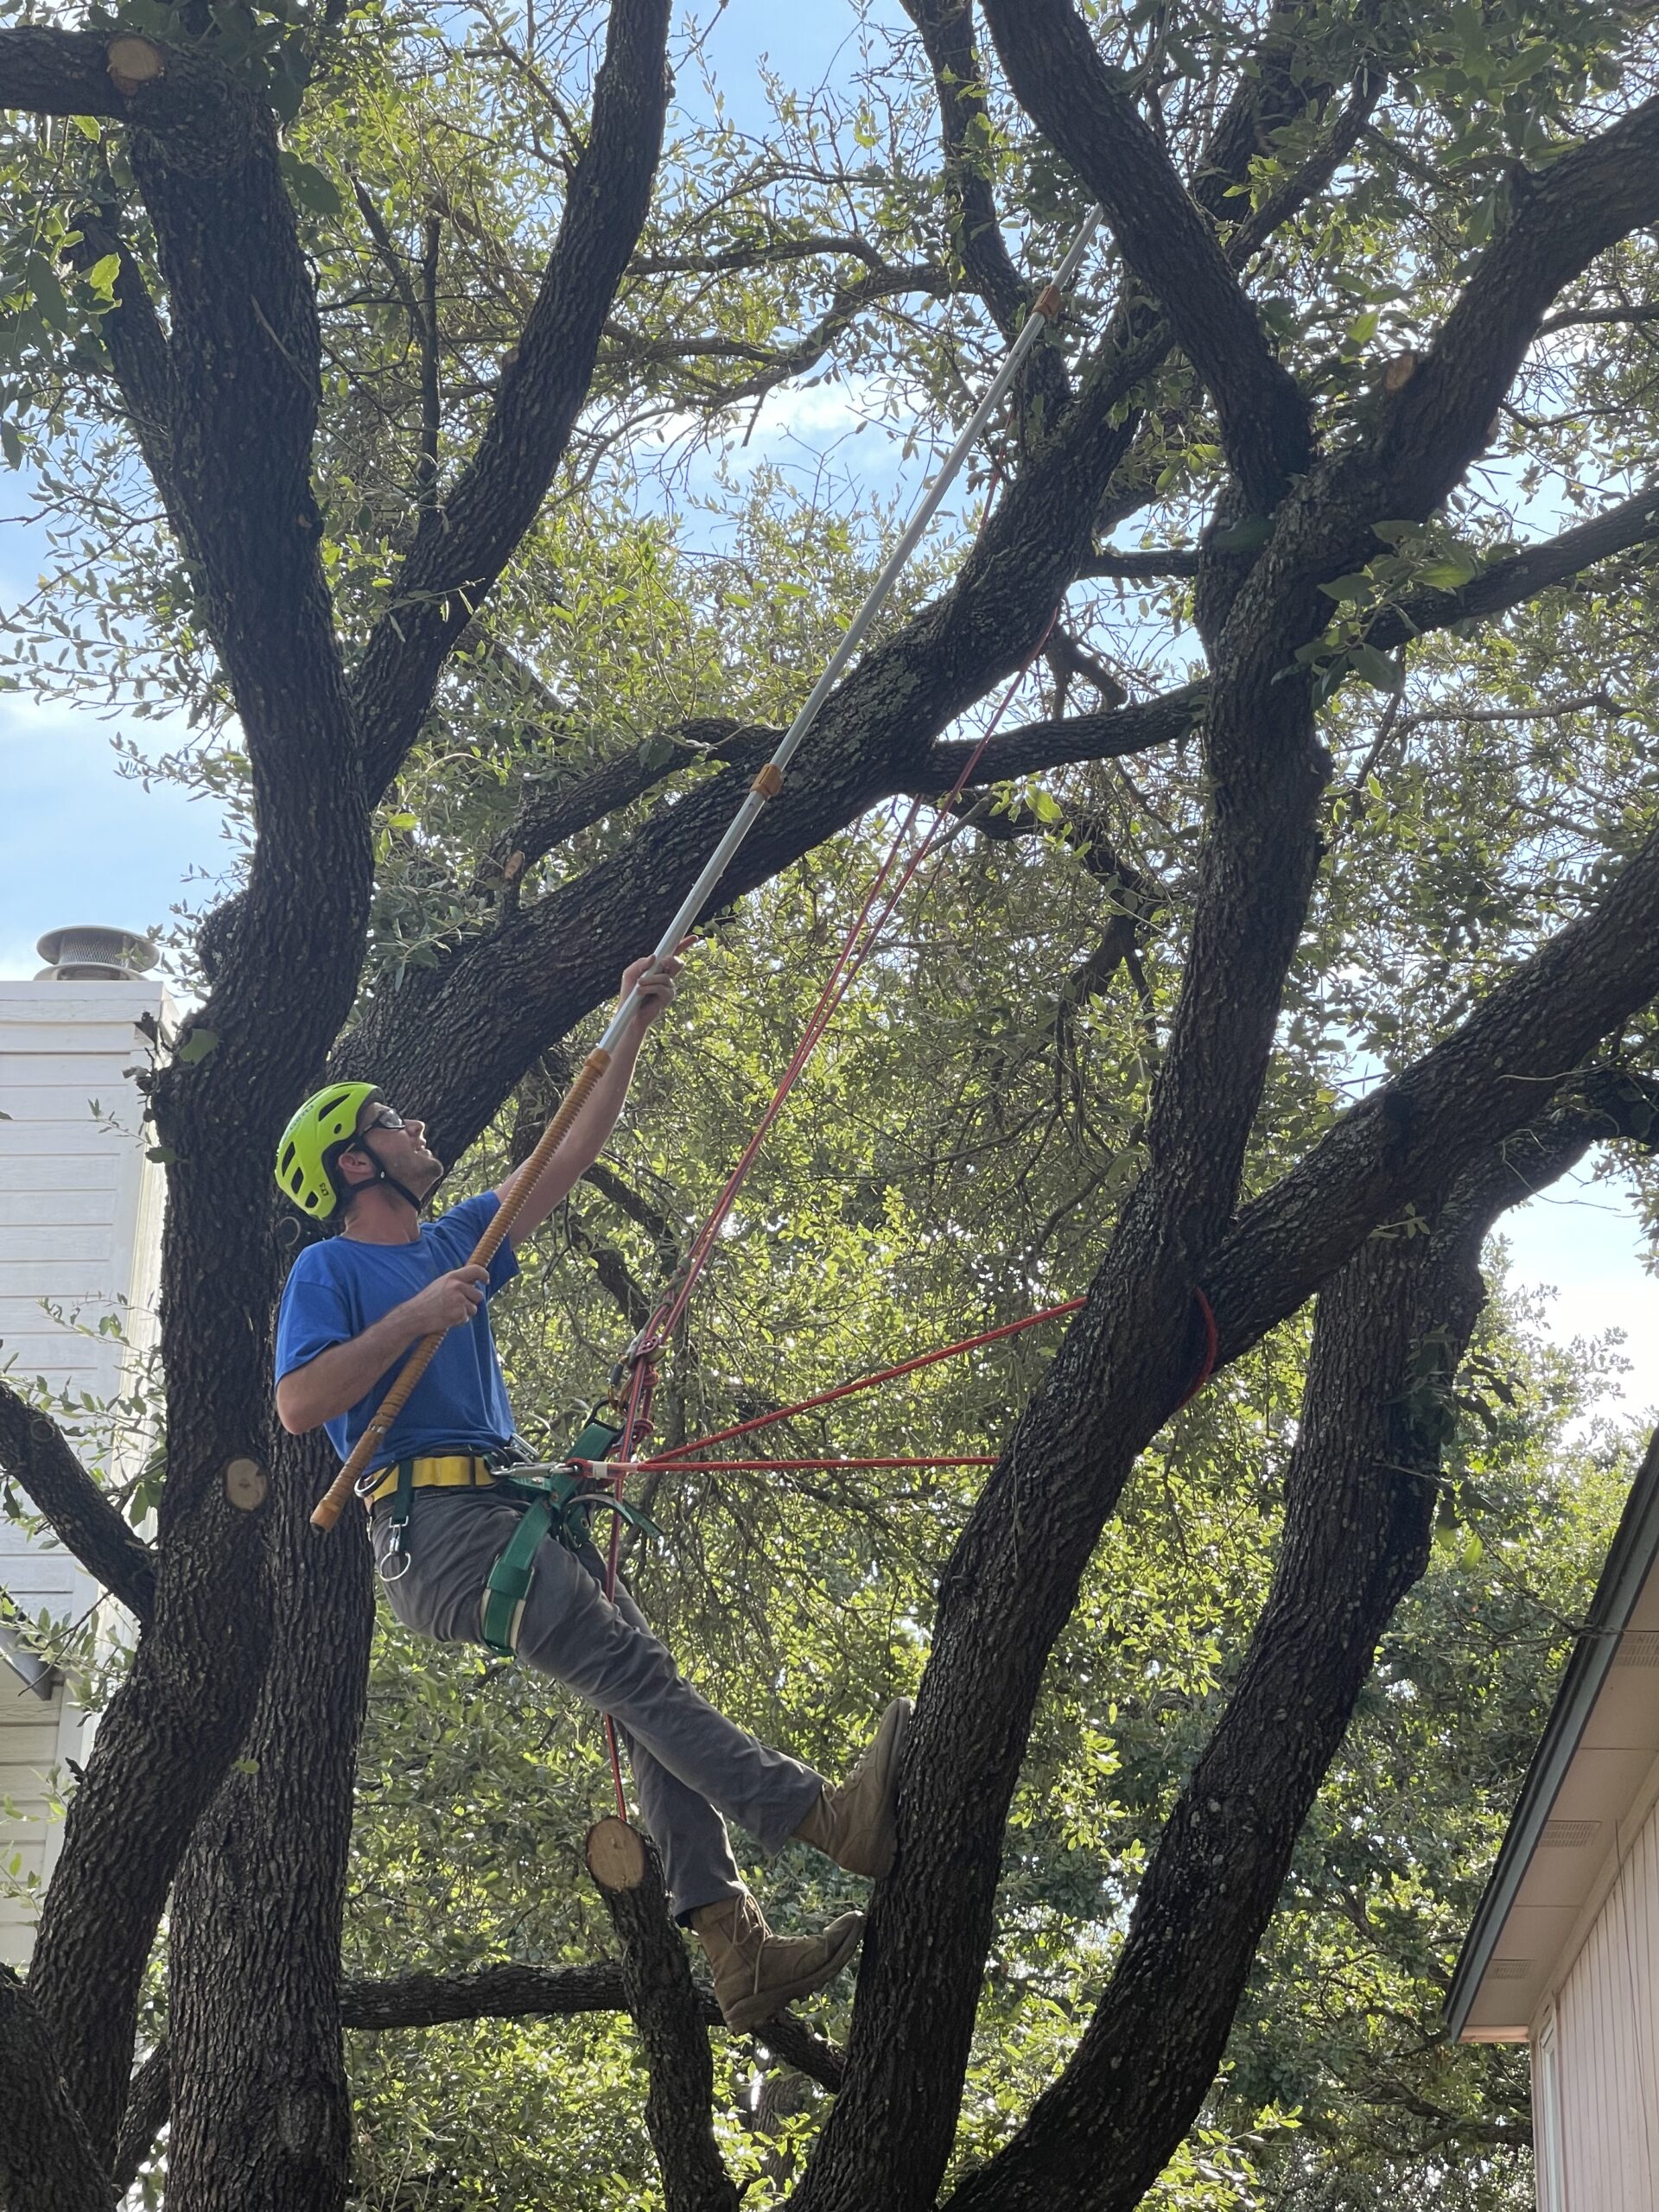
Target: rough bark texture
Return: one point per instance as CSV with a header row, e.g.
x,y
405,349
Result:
x,y
243,346
668,2019
1012,1580
261,2119
467,536
1058,76
47,2163
507,1991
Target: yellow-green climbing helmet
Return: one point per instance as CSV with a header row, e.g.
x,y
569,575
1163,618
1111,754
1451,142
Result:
x,y
323,1128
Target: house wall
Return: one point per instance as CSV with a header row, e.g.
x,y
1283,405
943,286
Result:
x,y
1596,2113
80,1228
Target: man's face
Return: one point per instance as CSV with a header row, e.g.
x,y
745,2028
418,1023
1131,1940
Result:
x,y
399,1146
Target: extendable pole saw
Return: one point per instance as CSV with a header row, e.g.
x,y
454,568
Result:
x,y
767,785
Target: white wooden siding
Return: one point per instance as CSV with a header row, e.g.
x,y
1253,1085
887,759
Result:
x,y
79,1231
1606,2057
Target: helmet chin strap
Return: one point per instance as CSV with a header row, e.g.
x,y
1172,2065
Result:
x,y
381,1174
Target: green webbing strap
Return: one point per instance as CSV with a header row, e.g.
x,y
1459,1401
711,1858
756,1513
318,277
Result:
x,y
560,1503
510,1578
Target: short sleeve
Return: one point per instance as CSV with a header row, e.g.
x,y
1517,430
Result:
x,y
454,1234
314,1314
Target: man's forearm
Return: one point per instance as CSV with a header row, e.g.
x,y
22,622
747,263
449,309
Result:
x,y
582,1142
337,1378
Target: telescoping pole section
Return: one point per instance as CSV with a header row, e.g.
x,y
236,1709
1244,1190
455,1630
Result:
x,y
769,782
767,785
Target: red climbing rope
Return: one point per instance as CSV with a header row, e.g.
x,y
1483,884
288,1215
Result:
x,y
1211,1348
771,1466
855,950
679,1451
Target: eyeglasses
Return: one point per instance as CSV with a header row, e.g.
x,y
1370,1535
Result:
x,y
385,1119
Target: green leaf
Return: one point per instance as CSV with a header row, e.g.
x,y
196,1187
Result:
x,y
196,1046
1446,575
1356,586
89,127
1375,668
312,186
1243,536
11,445
162,1155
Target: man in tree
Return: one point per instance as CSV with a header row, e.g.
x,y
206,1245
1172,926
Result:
x,y
351,1308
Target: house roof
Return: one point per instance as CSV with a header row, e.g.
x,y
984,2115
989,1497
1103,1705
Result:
x,y
1596,1758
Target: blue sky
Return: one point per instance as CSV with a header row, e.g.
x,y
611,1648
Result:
x,y
83,843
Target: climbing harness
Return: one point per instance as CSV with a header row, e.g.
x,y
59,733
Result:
x,y
559,1502
447,1470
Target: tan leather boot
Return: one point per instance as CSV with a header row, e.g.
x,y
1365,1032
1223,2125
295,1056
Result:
x,y
756,1972
853,1824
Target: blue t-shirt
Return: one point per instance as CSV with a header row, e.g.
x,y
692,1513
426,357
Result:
x,y
335,1291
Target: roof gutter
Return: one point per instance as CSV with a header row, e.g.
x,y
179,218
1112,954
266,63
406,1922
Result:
x,y
1629,1560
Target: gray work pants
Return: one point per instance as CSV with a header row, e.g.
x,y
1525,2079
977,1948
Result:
x,y
690,1765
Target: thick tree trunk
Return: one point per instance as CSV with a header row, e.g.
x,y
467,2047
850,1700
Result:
x,y
1359,1513
261,2115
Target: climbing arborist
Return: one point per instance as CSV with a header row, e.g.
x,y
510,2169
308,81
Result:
x,y
440,1522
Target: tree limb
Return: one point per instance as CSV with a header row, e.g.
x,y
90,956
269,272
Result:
x,y
149,2095
508,1991
777,364
1507,583
1060,80
1135,567
1434,421
947,34
186,96
39,1458
550,816
1579,318
139,355
245,349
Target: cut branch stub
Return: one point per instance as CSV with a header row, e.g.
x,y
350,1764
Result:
x,y
667,2010
134,61
616,1855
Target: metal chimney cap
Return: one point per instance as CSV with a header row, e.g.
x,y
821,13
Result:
x,y
88,952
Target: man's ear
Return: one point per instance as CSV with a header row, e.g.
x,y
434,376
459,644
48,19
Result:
x,y
355,1165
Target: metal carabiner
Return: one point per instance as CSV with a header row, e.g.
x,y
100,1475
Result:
x,y
394,1551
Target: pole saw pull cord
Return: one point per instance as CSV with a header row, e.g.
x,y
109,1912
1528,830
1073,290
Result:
x,y
765,786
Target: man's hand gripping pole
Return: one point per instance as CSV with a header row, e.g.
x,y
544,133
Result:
x,y
334,1500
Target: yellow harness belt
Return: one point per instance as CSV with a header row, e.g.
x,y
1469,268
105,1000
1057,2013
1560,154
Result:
x,y
447,1470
